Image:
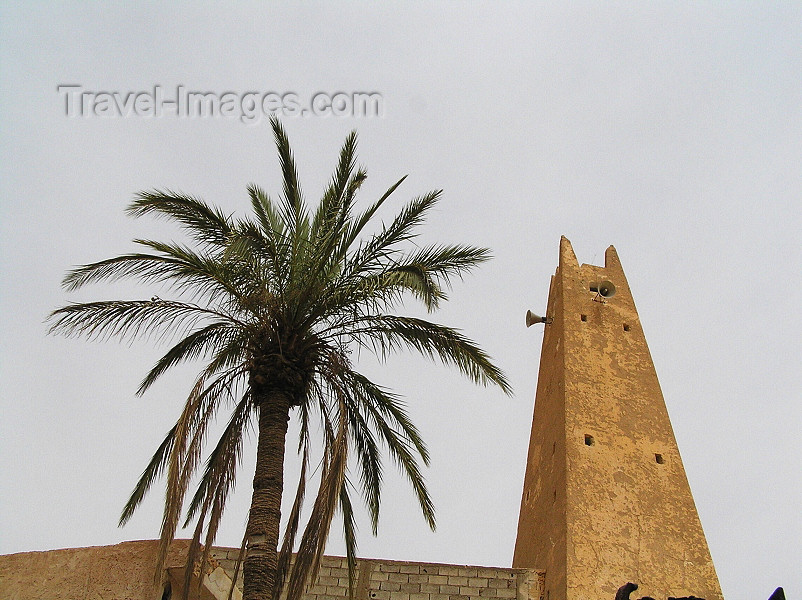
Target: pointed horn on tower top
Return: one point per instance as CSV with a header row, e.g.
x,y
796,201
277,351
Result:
x,y
567,256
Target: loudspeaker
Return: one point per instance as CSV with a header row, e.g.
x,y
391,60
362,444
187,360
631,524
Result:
x,y
605,288
532,318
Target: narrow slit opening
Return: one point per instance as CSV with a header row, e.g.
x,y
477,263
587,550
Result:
x,y
583,318
658,458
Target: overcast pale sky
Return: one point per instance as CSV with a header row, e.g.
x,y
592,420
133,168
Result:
x,y
670,130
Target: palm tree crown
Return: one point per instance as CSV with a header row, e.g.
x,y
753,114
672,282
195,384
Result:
x,y
274,304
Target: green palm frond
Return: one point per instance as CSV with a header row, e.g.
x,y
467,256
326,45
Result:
x,y
369,459
268,237
335,206
268,218
445,261
210,276
293,204
379,247
182,269
205,223
356,226
381,405
386,334
149,475
200,343
402,450
129,319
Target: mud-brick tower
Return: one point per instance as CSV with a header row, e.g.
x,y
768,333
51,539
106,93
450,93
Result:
x,y
605,497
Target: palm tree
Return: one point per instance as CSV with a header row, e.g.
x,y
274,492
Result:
x,y
274,304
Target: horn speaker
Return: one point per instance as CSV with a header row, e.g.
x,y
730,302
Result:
x,y
605,288
532,318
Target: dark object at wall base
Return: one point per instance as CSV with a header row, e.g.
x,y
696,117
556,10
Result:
x,y
625,590
779,594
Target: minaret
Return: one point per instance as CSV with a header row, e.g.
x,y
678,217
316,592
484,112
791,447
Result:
x,y
605,498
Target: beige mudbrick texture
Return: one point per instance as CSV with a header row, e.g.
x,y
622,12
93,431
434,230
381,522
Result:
x,y
121,572
605,498
125,572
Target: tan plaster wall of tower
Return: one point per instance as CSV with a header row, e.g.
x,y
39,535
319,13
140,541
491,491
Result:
x,y
614,507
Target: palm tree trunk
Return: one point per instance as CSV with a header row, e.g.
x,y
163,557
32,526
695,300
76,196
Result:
x,y
261,557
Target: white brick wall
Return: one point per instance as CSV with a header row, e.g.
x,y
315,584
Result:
x,y
395,580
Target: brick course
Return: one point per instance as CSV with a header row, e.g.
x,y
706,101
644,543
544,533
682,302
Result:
x,y
397,580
